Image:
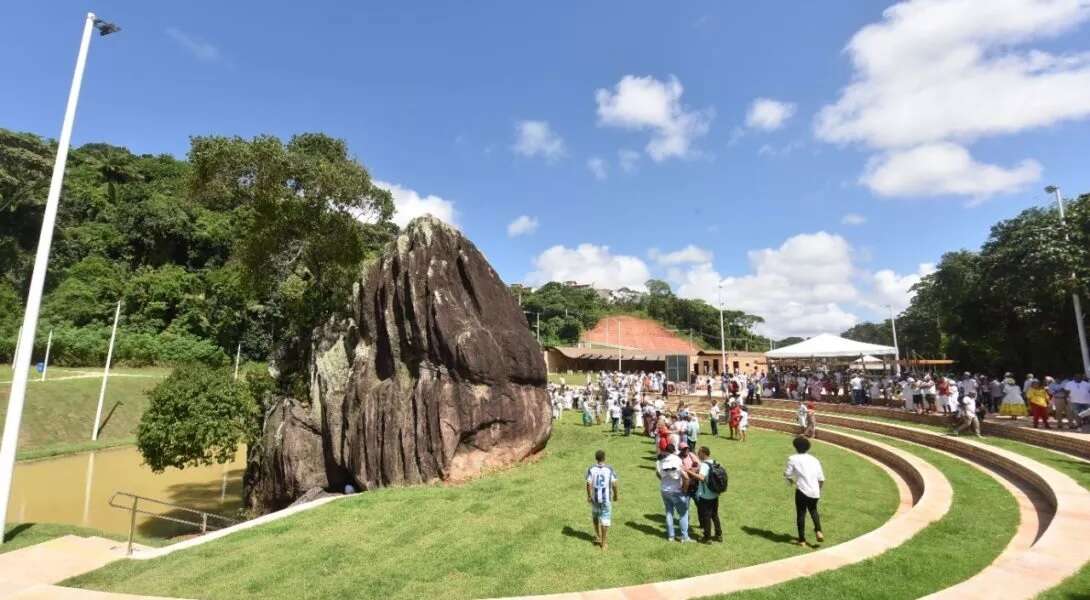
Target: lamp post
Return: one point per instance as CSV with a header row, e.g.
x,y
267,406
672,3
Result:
x,y
896,348
37,278
722,340
1079,324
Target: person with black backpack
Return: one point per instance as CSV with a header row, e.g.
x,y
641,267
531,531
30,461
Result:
x,y
713,481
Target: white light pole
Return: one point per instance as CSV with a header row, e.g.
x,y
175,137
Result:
x,y
238,355
106,373
37,278
1074,295
722,340
18,344
48,347
896,348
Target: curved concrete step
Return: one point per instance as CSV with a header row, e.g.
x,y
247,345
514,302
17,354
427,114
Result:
x,y
1062,505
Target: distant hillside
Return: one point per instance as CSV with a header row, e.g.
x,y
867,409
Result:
x,y
636,333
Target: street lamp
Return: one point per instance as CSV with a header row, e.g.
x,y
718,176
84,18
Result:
x,y
1074,294
722,339
896,348
37,278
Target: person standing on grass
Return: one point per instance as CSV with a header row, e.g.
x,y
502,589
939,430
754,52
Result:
x,y
615,414
743,423
707,500
672,482
694,429
601,494
714,415
628,415
805,474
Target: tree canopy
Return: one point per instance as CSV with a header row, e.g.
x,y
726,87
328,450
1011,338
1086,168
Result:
x,y
1007,306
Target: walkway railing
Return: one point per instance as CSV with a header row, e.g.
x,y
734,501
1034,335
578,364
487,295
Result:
x,y
205,521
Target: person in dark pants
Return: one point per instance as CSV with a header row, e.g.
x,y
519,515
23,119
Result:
x,y
707,501
713,414
804,473
627,414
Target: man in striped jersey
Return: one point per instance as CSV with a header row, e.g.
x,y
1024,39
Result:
x,y
601,494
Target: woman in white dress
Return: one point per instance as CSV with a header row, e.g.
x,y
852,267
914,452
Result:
x,y
1013,405
908,389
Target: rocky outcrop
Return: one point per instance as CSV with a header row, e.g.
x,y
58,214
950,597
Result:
x,y
434,377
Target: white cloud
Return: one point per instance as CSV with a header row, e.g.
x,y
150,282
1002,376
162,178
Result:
x,y
408,205
536,138
523,225
645,103
853,219
896,290
933,73
798,288
943,168
688,254
628,159
589,264
768,114
597,166
199,48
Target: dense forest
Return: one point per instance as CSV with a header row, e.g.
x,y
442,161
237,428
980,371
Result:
x,y
244,241
1007,306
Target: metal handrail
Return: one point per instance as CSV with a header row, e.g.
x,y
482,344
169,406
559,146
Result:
x,y
134,509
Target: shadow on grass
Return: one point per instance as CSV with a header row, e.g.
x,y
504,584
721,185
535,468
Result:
x,y
14,532
109,415
646,529
772,536
648,467
579,535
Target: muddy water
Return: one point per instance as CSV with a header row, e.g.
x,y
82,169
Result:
x,y
76,490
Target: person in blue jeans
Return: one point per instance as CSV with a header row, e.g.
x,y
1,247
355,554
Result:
x,y
673,480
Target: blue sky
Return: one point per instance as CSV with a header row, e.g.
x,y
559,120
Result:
x,y
622,133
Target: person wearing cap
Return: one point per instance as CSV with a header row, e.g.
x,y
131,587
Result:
x,y
968,384
995,389
1013,405
967,414
1028,383
672,483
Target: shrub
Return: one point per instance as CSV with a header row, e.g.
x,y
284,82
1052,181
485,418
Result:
x,y
197,416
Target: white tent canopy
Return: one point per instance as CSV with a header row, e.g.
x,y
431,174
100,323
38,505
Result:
x,y
870,363
828,345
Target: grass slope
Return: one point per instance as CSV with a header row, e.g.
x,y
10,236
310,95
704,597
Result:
x,y
524,530
981,521
59,413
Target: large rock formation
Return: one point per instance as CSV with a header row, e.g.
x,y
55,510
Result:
x,y
434,377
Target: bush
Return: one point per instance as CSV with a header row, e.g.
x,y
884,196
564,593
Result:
x,y
87,346
197,416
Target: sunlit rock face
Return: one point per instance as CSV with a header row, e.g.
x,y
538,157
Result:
x,y
435,377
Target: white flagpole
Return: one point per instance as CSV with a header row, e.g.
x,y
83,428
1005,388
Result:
x,y
106,373
48,347
18,344
238,355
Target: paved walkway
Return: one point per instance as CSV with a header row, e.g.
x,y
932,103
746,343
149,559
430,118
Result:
x,y
31,573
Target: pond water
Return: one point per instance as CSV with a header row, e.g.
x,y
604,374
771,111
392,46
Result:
x,y
76,490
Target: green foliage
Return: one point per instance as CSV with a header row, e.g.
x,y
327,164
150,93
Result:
x,y
1007,306
871,333
197,416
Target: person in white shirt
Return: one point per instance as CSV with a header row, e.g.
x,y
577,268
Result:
x,y
1078,394
714,414
908,389
804,472
857,389
673,483
967,414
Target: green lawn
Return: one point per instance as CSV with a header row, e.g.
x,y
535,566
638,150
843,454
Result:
x,y
525,530
981,521
575,378
21,535
58,414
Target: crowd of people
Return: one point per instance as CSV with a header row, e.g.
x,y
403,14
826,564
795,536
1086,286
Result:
x,y
1063,402
687,473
